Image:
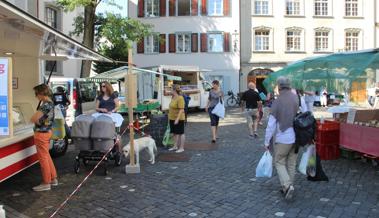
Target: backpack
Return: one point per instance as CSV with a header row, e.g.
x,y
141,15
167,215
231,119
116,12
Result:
x,y
186,102
304,125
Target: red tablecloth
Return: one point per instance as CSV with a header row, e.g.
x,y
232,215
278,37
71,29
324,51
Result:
x,y
360,138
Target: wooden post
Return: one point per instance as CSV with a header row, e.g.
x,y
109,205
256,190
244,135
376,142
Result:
x,y
130,106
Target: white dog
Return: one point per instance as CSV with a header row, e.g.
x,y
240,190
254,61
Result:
x,y
141,144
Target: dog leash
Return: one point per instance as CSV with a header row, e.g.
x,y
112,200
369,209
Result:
x,y
89,174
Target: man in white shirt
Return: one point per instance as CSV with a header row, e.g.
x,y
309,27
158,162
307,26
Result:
x,y
280,129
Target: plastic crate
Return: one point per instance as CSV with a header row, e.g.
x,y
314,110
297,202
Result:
x,y
328,152
328,133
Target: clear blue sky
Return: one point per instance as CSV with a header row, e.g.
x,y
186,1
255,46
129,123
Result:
x,y
104,7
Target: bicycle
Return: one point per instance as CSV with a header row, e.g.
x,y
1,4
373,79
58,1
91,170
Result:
x,y
233,99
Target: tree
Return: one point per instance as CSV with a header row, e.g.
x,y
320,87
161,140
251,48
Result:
x,y
118,34
89,24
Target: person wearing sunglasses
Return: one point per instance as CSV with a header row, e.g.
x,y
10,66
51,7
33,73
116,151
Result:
x,y
107,101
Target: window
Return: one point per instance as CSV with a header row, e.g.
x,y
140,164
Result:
x,y
322,40
183,42
51,17
262,40
321,7
49,66
215,7
351,40
215,42
152,44
184,7
261,7
294,40
151,8
293,7
351,8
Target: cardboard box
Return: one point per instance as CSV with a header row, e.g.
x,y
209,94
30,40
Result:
x,y
362,115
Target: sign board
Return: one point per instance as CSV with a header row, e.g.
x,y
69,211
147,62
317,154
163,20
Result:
x,y
4,101
15,83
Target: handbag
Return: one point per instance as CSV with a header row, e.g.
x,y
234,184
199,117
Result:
x,y
59,130
219,109
168,139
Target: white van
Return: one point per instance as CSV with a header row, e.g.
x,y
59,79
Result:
x,y
81,93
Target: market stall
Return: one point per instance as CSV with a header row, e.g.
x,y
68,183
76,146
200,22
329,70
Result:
x,y
24,42
360,131
145,82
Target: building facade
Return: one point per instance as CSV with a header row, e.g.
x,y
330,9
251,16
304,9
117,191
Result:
x,y
275,33
202,33
48,12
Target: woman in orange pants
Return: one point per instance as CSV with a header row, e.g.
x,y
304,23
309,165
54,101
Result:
x,y
43,119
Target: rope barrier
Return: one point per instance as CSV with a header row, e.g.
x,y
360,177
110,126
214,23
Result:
x,y
86,178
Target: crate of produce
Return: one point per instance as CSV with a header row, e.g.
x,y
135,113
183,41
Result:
x,y
328,133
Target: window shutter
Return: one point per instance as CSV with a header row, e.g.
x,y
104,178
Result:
x,y
204,43
141,46
194,42
203,7
171,43
226,42
195,8
141,8
162,43
171,7
162,8
226,7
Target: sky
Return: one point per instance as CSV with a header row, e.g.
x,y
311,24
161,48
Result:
x,y
104,7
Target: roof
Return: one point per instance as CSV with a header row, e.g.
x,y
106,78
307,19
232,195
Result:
x,y
25,36
119,73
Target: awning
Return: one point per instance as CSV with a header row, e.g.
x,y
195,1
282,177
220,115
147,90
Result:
x,y
179,68
22,35
119,73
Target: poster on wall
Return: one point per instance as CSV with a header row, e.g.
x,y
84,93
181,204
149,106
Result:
x,y
4,118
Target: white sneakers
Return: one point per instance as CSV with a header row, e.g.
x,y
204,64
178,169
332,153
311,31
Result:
x,y
179,150
173,148
42,187
46,187
54,182
289,192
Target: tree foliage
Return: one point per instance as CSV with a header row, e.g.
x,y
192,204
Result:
x,y
111,34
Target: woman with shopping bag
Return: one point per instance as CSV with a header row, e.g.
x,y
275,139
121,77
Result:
x,y
176,118
215,108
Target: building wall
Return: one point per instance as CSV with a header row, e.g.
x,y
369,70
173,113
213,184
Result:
x,y
225,64
277,21
37,8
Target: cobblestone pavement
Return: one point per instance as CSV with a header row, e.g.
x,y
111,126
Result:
x,y
218,183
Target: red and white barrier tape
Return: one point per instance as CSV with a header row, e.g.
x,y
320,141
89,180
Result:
x,y
85,179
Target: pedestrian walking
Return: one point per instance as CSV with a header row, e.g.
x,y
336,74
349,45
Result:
x,y
251,101
43,122
176,116
324,98
215,96
280,129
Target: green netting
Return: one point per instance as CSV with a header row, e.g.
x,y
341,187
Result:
x,y
336,72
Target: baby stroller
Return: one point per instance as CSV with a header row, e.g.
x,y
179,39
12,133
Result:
x,y
93,137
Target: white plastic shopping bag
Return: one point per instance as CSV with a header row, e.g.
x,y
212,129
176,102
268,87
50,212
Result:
x,y
219,110
58,113
264,168
304,162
